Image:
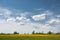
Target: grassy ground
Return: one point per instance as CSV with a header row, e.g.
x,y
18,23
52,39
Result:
x,y
29,37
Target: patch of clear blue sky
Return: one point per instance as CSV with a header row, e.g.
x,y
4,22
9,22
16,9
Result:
x,y
28,5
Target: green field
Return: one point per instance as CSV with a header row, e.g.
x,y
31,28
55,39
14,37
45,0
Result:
x,y
20,37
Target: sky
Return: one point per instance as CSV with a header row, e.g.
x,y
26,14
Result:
x,y
24,16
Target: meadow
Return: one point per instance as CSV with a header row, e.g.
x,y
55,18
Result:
x,y
29,37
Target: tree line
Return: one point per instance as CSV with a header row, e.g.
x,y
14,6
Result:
x,y
49,32
33,32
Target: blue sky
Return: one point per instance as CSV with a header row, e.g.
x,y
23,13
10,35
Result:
x,y
24,16
28,5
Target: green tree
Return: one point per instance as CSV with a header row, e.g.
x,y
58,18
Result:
x,y
49,32
33,32
15,32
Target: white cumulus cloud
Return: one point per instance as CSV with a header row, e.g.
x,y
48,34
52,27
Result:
x,y
39,17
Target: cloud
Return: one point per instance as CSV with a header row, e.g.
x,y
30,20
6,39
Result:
x,y
29,27
54,21
8,13
5,27
21,18
39,17
48,12
58,16
24,14
12,26
9,19
24,24
39,9
5,12
42,16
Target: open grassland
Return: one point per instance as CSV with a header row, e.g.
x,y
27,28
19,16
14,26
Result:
x,y
29,37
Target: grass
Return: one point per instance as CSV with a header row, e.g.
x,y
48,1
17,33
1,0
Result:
x,y
29,37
